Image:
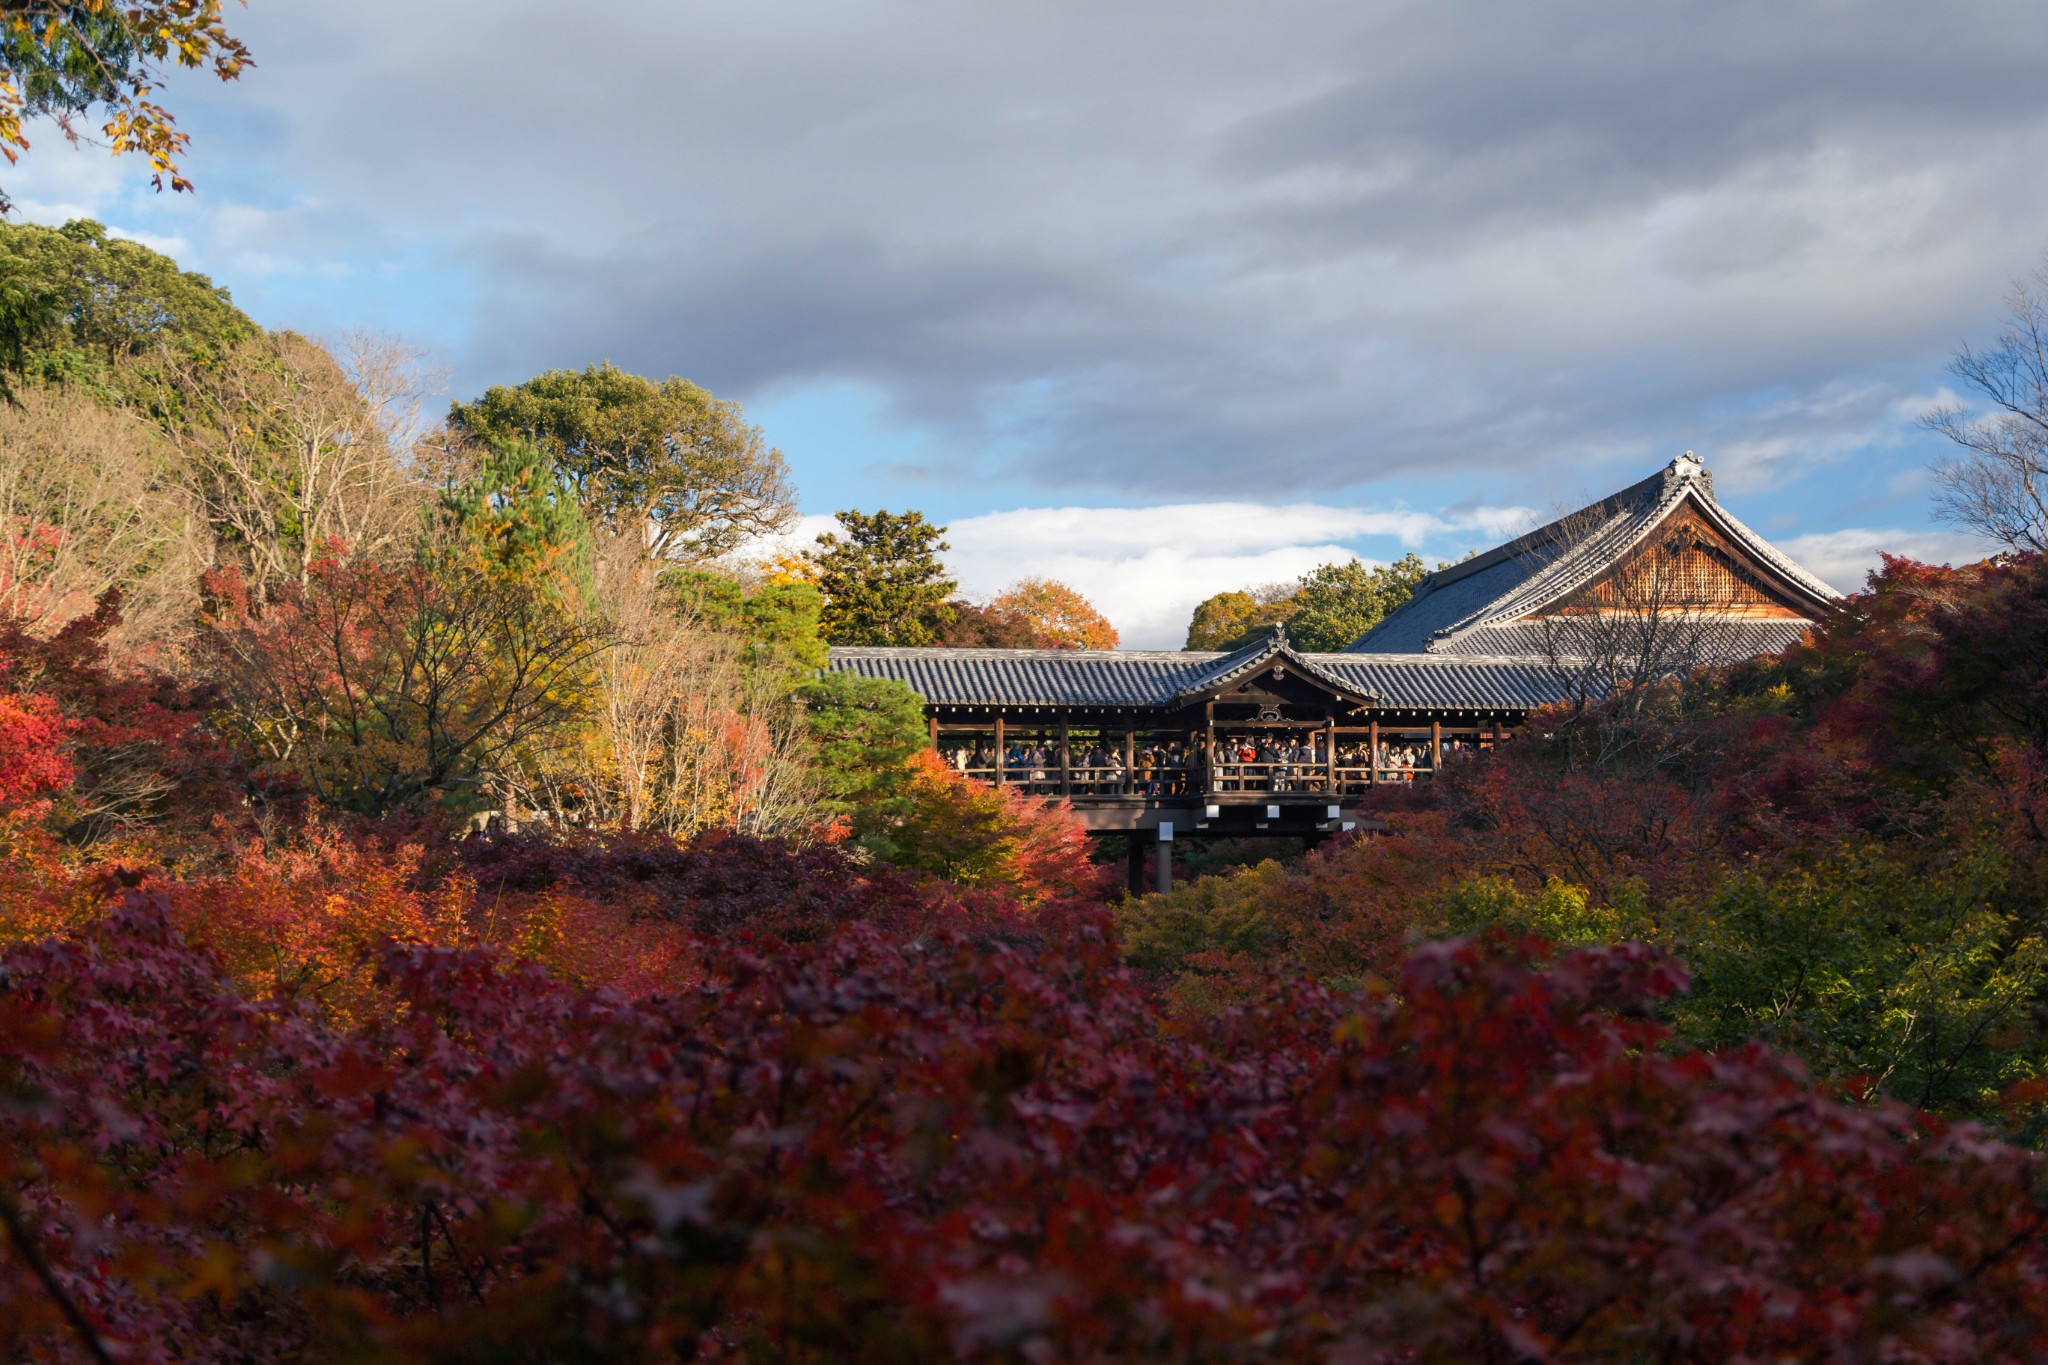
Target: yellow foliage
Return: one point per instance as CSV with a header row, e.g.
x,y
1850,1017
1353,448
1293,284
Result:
x,y
786,567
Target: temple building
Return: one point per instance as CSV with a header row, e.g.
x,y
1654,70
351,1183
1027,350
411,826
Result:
x,y
1267,739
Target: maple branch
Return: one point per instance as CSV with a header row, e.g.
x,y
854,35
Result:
x,y
18,1233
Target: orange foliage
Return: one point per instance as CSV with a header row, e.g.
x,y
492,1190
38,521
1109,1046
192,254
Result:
x,y
1057,614
304,916
304,919
33,736
42,892
980,836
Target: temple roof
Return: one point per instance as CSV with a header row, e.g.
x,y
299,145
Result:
x,y
1483,606
1159,679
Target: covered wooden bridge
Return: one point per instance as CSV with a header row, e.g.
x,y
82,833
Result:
x,y
1268,740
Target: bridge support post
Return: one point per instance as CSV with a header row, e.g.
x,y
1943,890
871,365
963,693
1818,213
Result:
x,y
1134,863
1165,863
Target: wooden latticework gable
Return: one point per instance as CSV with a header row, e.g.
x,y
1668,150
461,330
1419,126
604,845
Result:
x,y
1687,565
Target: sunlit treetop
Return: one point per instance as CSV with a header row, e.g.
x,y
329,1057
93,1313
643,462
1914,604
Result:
x,y
60,59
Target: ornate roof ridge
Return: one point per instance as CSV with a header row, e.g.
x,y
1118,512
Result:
x,y
1257,654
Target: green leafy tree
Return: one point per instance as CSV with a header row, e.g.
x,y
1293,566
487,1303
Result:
x,y
60,59
665,458
1230,914
865,731
1337,603
1327,609
516,509
1560,912
1229,619
884,583
1922,974
781,622
1917,970
97,300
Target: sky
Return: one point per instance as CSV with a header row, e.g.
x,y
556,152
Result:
x,y
1163,298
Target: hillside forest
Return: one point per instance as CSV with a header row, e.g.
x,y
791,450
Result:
x,y
448,913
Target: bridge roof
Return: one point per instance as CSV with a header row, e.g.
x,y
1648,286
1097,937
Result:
x,y
1163,680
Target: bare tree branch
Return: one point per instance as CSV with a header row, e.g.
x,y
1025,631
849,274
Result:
x,y
290,451
1626,646
84,507
1997,486
684,734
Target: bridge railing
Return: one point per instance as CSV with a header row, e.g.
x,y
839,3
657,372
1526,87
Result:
x,y
1114,782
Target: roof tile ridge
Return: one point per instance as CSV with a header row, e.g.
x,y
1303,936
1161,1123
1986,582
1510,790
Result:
x,y
1254,655
990,652
1444,660
1510,604
1308,663
1536,537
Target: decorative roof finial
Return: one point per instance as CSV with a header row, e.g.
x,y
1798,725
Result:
x,y
1688,469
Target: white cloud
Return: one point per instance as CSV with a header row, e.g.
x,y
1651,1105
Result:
x,y
1145,568
1217,526
1148,595
1842,558
56,182
173,247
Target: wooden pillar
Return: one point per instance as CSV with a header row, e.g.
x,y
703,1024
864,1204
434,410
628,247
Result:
x,y
1372,742
1436,745
935,731
1134,863
1209,749
1066,758
1130,771
1000,755
1330,754
1165,864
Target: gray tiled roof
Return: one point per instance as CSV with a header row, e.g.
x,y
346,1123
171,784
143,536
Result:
x,y
1722,641
1466,607
1143,678
1438,682
1028,677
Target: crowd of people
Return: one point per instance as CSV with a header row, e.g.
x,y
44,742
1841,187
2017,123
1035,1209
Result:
x,y
1244,763
1099,770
